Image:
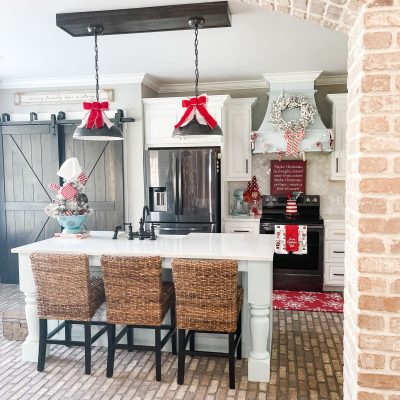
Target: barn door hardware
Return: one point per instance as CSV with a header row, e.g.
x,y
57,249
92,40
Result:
x,y
32,126
11,127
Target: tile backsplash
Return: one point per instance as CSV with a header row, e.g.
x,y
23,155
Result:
x,y
318,171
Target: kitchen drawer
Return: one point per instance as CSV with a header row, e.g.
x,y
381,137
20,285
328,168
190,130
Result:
x,y
334,274
335,231
242,227
334,251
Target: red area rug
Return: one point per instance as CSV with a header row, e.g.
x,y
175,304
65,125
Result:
x,y
307,301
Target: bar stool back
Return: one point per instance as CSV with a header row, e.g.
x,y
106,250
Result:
x,y
138,298
66,291
207,300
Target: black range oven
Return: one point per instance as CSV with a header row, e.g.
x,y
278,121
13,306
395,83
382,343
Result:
x,y
291,271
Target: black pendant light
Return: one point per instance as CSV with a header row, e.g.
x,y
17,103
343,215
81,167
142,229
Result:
x,y
107,131
194,127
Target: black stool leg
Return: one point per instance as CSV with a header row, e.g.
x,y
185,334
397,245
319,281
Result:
x,y
232,361
42,344
67,328
88,347
111,350
239,333
181,356
158,353
173,324
129,337
191,341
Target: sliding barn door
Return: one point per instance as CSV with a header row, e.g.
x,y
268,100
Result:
x,y
29,164
32,156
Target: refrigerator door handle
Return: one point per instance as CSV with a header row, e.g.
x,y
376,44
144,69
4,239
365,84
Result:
x,y
180,197
176,186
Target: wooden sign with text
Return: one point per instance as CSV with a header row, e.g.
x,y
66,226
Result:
x,y
288,177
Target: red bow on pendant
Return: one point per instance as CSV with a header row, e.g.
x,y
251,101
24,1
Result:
x,y
95,118
193,106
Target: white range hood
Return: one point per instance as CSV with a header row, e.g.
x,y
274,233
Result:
x,y
270,139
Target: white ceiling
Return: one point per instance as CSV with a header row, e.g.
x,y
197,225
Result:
x,y
258,42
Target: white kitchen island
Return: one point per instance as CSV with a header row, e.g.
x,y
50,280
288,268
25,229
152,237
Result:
x,y
253,252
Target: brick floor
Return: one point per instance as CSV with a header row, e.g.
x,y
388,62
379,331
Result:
x,y
306,364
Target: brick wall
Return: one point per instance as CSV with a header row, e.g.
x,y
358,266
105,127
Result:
x,y
372,294
372,279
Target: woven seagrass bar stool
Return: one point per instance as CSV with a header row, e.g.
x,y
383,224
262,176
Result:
x,y
207,300
67,292
137,298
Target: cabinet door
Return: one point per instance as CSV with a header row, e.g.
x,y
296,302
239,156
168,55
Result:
x,y
334,274
238,144
338,166
159,124
335,231
334,251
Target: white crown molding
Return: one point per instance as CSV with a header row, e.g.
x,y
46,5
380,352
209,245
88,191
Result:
x,y
151,82
154,84
309,76
246,84
212,86
71,81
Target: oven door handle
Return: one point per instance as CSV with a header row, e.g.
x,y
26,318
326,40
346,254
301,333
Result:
x,y
270,228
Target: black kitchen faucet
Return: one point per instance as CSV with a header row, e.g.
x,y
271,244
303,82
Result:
x,y
142,233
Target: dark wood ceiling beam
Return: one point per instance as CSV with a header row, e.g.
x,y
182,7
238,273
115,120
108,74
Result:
x,y
147,19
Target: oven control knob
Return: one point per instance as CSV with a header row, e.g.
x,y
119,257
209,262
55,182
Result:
x,y
274,199
308,200
315,200
267,199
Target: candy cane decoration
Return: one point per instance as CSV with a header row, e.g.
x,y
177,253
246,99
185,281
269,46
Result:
x,y
293,142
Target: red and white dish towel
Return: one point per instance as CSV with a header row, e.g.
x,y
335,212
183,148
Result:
x,y
291,238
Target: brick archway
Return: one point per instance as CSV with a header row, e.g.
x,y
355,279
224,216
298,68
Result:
x,y
372,278
338,15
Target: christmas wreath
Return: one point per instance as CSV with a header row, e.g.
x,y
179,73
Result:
x,y
294,130
281,103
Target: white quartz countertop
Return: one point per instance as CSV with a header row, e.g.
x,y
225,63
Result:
x,y
234,246
333,217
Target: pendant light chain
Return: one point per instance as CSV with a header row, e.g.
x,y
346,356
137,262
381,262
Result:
x,y
196,61
96,65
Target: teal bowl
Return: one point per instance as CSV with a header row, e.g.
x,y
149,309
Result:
x,y
72,224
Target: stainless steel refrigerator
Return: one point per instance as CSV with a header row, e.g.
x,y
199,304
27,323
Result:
x,y
183,189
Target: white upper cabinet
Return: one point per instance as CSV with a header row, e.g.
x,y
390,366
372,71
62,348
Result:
x,y
339,123
161,114
237,141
